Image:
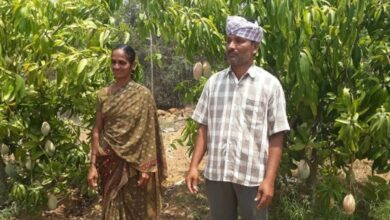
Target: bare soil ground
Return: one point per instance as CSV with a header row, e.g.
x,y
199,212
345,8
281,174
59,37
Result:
x,y
177,202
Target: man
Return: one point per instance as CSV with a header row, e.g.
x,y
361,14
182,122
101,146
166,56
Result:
x,y
242,118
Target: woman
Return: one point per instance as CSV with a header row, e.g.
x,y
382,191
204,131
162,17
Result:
x,y
127,152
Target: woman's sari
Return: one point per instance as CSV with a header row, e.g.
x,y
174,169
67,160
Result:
x,y
130,143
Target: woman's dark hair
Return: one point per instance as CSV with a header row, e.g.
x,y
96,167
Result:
x,y
129,51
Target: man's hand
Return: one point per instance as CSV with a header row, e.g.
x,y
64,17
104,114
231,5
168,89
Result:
x,y
192,177
92,177
143,179
265,193
192,180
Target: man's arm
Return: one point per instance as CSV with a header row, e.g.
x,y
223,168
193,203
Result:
x,y
266,189
192,177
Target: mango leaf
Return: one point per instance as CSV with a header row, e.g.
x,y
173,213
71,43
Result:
x,y
298,147
282,10
356,56
126,38
90,24
82,65
343,121
305,61
103,37
7,93
19,87
378,153
307,22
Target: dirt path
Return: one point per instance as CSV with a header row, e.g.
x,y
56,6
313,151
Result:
x,y
178,203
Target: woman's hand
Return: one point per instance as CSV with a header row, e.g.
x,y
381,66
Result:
x,y
92,177
143,179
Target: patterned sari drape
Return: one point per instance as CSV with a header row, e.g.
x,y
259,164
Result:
x,y
130,143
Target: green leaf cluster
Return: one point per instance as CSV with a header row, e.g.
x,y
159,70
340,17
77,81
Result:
x,y
54,55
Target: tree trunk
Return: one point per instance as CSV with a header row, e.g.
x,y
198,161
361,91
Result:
x,y
3,184
313,180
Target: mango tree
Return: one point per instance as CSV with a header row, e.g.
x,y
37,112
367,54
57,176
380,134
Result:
x,y
332,58
54,55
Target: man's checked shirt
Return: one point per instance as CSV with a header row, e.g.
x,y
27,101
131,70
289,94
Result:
x,y
240,115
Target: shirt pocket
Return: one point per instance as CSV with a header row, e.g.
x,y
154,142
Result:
x,y
254,112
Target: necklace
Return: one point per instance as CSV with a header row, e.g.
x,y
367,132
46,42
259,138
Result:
x,y
115,88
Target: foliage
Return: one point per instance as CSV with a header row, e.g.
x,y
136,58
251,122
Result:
x,y
183,23
376,190
332,58
190,94
188,136
53,57
162,67
190,91
382,211
291,206
9,212
169,70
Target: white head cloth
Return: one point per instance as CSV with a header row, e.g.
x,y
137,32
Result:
x,y
239,26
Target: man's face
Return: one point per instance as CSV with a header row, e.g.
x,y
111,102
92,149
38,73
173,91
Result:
x,y
240,51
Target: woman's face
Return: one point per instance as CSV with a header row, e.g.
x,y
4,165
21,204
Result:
x,y
120,66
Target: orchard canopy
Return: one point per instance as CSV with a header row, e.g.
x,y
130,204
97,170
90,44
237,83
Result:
x,y
53,56
332,57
